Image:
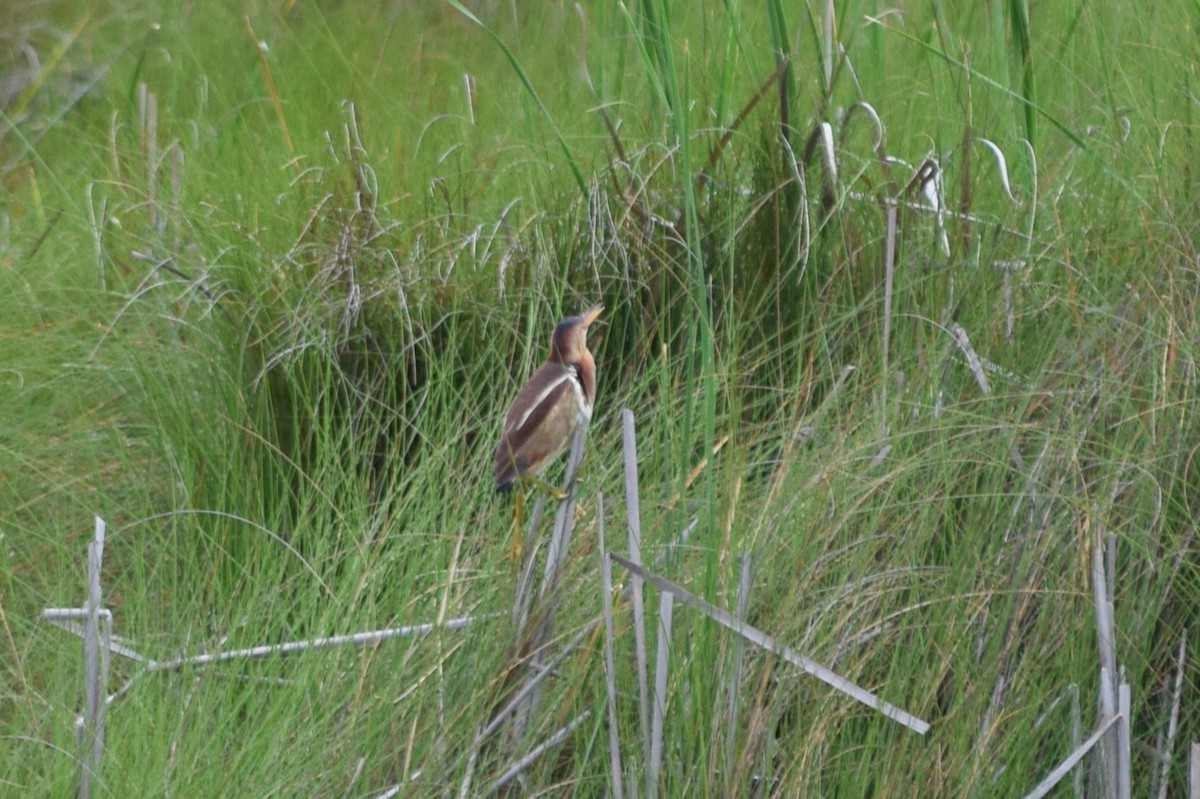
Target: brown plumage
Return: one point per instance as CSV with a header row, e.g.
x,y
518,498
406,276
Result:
x,y
551,406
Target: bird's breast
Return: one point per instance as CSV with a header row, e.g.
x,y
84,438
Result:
x,y
583,401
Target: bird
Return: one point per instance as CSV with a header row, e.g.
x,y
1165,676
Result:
x,y
552,405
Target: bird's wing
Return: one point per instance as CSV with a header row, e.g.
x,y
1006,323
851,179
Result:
x,y
537,399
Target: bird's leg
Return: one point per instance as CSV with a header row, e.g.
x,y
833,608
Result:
x,y
542,484
518,513
519,507
580,509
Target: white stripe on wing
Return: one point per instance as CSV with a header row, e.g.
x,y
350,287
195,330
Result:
x,y
541,397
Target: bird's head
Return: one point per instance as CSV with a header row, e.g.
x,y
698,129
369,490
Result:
x,y
570,337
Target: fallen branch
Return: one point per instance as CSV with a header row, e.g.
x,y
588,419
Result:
x,y
765,641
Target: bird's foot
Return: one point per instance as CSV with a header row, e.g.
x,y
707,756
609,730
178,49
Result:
x,y
557,493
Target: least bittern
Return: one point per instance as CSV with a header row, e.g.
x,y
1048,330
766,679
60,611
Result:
x,y
548,410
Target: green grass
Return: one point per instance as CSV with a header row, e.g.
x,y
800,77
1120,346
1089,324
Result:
x,y
267,283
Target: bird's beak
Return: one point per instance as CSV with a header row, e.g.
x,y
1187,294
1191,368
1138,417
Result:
x,y
590,314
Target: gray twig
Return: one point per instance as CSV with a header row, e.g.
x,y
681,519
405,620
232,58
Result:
x,y
765,641
633,512
610,669
1062,769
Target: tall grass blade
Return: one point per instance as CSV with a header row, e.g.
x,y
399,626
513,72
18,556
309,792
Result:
x,y
464,787
533,93
1019,21
722,143
1076,139
781,46
272,90
829,39
642,43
